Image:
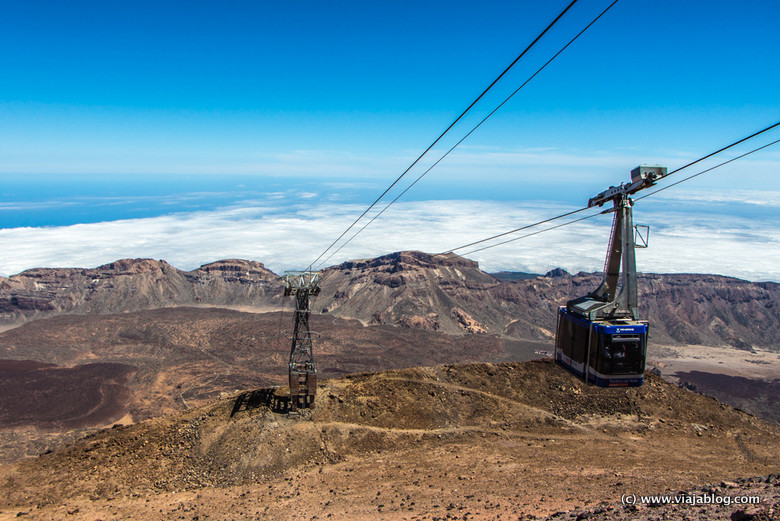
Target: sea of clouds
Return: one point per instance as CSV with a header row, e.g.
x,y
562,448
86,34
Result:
x,y
286,237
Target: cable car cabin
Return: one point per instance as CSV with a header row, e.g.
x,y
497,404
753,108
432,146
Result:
x,y
608,353
599,336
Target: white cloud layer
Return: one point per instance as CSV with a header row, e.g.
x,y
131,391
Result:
x,y
291,239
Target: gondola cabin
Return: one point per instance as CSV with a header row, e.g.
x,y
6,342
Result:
x,y
599,336
608,353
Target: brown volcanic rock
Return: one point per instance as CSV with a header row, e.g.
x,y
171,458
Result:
x,y
682,308
713,310
445,293
428,323
52,397
181,357
467,322
478,440
391,288
132,285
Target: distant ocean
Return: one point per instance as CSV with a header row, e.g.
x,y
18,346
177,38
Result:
x,y
64,199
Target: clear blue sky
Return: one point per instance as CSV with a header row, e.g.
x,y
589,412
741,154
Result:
x,y
157,98
212,87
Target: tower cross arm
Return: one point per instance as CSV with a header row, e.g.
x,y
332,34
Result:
x,y
642,177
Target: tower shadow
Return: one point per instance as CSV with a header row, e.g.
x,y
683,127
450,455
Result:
x,y
261,398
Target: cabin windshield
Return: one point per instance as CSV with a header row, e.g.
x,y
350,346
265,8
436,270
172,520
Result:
x,y
622,355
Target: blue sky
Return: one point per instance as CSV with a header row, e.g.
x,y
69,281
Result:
x,y
112,112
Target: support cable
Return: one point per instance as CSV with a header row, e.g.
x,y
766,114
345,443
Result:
x,y
537,232
445,131
667,175
638,198
540,69
751,136
709,169
608,210
517,230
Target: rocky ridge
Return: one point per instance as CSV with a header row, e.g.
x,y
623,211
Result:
x,y
133,285
408,288
445,293
451,294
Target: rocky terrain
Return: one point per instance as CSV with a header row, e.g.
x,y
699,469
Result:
x,y
451,294
153,354
134,285
69,374
445,293
411,309
699,503
474,441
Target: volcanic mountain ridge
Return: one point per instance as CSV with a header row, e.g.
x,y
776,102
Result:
x,y
444,293
133,285
451,294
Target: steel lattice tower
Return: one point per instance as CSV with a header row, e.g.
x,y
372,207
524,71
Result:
x,y
303,374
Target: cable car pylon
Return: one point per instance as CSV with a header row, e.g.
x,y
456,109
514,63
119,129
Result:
x,y
599,336
303,374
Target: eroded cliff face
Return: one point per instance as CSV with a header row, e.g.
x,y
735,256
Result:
x,y
133,285
411,289
713,310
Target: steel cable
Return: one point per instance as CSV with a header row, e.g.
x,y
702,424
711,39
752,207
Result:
x,y
445,132
635,199
540,69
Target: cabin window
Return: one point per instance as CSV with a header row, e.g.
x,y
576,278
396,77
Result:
x,y
573,339
621,354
